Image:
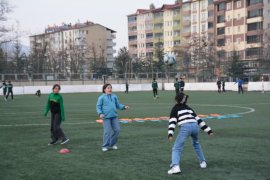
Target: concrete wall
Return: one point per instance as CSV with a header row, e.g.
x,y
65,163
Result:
x,y
252,86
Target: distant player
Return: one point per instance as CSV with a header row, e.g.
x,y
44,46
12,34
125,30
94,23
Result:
x,y
56,106
155,88
223,86
126,91
176,85
9,90
219,86
182,84
240,83
183,116
4,86
38,93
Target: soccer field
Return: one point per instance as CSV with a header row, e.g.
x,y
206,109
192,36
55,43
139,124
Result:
x,y
239,149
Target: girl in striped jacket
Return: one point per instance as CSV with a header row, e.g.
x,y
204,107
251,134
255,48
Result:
x,y
189,122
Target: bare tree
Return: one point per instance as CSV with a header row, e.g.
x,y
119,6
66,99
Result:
x,y
265,60
5,8
152,6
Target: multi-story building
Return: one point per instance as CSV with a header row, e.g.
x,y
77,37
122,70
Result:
x,y
229,26
239,29
93,41
148,29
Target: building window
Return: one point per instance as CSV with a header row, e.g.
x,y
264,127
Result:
x,y
203,16
254,39
251,2
238,16
256,13
195,17
203,28
221,19
268,25
228,41
211,13
229,30
254,26
194,29
253,52
194,6
221,42
238,29
229,6
238,4
228,18
210,25
221,6
220,31
238,40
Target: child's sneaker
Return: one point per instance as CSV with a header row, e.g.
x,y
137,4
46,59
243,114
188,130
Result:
x,y
114,147
104,149
174,170
64,141
203,164
53,142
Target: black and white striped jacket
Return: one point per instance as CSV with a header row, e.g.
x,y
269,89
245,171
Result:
x,y
182,114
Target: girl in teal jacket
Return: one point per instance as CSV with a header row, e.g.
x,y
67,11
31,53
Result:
x,y
106,107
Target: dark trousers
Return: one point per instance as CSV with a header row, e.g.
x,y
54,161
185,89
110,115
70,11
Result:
x,y
240,89
177,91
181,89
4,92
10,92
126,90
155,92
56,131
219,89
223,88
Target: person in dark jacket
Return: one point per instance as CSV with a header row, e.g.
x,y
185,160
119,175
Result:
x,y
4,86
219,86
176,85
182,84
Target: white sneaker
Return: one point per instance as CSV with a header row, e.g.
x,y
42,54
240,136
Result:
x,y
104,149
114,147
174,170
203,164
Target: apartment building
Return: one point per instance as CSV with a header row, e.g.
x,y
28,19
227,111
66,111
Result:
x,y
92,40
148,29
240,27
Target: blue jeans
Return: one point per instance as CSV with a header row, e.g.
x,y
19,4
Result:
x,y
111,131
186,130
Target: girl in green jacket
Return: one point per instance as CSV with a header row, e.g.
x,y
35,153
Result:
x,y
55,105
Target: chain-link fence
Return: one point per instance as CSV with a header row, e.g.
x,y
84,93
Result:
x,y
81,79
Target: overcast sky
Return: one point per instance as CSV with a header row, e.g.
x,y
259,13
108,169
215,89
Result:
x,y
35,15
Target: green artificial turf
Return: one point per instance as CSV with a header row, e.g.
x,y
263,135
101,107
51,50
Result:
x,y
240,148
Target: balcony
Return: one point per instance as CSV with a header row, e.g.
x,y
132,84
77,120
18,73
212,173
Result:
x,y
254,19
111,44
111,51
186,34
210,18
186,23
148,40
132,42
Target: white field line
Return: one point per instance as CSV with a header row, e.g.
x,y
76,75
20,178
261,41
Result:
x,y
250,110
